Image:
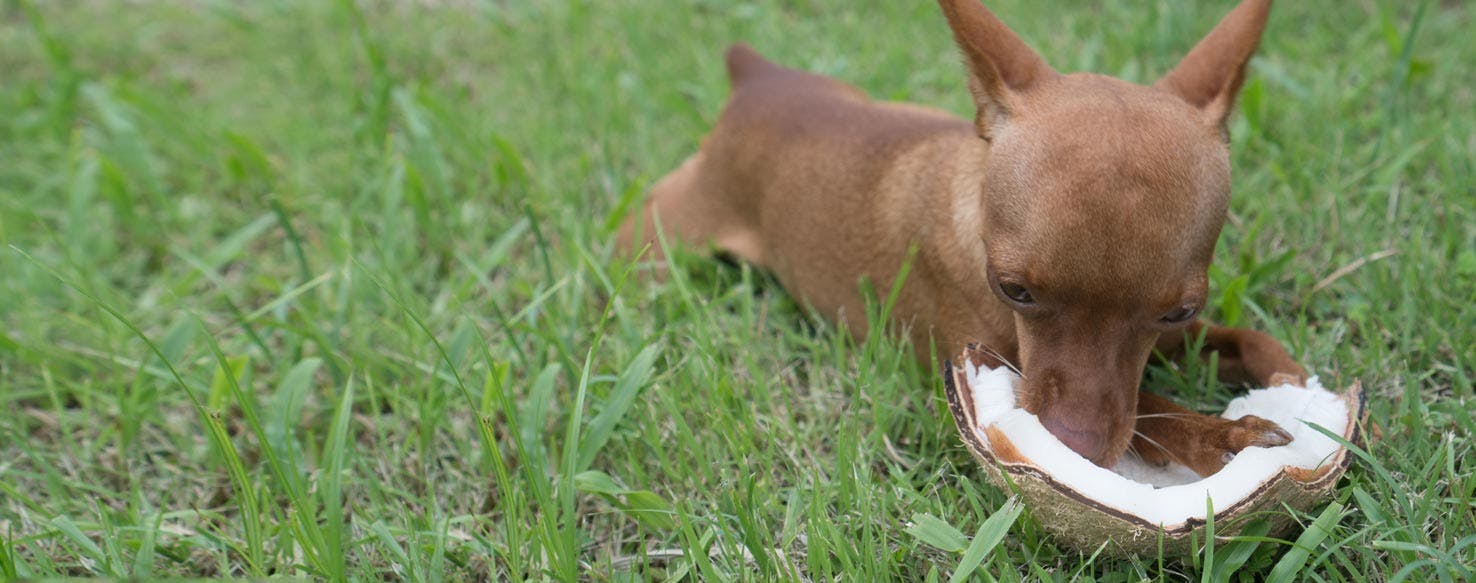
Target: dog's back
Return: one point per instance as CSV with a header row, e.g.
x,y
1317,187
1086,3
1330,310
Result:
x,y
810,165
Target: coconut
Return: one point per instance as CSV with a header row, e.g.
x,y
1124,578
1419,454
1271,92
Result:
x,y
1134,508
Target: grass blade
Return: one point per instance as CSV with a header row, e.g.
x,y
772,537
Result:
x,y
1292,562
1239,550
990,533
10,565
143,561
937,533
630,383
83,543
1209,541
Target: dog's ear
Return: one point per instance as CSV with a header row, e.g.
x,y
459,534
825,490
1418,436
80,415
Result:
x,y
1209,77
1000,64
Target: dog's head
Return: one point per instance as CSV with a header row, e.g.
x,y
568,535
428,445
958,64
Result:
x,y
1102,201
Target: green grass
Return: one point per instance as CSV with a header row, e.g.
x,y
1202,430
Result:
x,y
325,288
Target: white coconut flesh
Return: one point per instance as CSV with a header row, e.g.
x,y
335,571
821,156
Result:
x,y
1173,494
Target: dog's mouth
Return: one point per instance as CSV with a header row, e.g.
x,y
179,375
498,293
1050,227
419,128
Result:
x,y
1087,443
1097,426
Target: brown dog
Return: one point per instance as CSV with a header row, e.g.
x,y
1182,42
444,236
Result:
x,y
1069,228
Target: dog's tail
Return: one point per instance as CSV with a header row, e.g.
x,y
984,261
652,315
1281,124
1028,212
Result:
x,y
744,63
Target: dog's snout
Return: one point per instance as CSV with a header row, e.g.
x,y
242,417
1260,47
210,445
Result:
x,y
1089,442
1093,413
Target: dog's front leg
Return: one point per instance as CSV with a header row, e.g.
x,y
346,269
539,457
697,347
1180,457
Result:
x,y
1245,356
1165,432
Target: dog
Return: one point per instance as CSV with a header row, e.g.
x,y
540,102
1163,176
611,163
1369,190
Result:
x,y
1068,228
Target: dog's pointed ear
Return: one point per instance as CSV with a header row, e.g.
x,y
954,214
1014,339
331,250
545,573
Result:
x,y
1209,77
1001,66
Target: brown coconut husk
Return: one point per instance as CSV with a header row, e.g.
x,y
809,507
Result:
x,y
1079,522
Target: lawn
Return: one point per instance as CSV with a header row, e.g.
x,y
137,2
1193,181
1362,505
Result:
x,y
325,289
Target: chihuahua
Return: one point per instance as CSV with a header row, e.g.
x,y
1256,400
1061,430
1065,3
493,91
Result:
x,y
1068,228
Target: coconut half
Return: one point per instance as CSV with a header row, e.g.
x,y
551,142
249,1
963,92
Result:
x,y
1134,507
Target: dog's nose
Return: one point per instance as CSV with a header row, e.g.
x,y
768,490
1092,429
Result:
x,y
1087,442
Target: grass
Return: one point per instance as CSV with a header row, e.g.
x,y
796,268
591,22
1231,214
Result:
x,y
324,289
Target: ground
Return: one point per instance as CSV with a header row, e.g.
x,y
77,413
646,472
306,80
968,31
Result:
x,y
325,289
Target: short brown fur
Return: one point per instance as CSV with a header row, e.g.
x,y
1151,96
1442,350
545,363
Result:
x,y
1097,200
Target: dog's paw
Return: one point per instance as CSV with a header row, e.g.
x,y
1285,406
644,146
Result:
x,y
1252,431
1227,437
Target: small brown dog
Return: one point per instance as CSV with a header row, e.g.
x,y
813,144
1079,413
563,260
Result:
x,y
1069,228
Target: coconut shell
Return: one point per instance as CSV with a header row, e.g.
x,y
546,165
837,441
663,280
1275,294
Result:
x,y
1079,522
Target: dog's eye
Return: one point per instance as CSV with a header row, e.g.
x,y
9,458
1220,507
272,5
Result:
x,y
1180,315
1016,292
